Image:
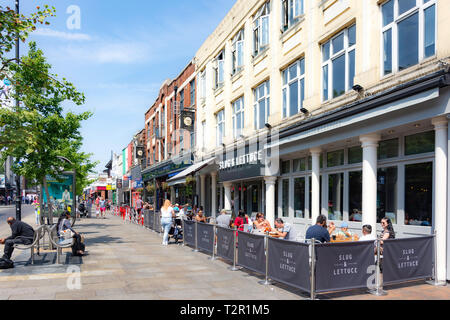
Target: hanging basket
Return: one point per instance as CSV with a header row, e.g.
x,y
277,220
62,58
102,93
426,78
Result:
x,y
190,180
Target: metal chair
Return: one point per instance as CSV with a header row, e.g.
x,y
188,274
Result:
x,y
59,245
38,235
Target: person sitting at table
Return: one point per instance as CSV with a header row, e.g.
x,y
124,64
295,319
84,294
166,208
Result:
x,y
320,231
200,217
283,230
344,233
224,219
240,220
261,223
367,233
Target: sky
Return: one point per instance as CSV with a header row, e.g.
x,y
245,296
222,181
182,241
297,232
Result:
x,y
118,55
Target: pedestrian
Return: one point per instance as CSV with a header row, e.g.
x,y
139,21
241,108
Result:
x,y
102,204
167,214
97,207
36,211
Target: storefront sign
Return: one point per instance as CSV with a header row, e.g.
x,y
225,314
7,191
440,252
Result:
x,y
205,237
250,158
289,263
119,183
2,181
407,259
225,243
251,253
189,232
342,266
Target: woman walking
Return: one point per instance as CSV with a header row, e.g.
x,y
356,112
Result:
x,y
167,214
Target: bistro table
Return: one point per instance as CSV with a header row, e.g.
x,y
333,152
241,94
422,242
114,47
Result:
x,y
340,240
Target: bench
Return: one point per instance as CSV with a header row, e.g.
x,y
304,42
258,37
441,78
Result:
x,y
38,235
59,245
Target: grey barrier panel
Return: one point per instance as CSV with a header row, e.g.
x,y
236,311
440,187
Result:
x,y
146,214
289,263
205,237
151,220
407,259
225,243
189,232
157,223
343,266
251,252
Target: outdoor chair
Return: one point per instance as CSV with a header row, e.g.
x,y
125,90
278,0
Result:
x,y
38,235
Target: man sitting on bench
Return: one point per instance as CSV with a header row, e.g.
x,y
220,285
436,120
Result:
x,y
22,233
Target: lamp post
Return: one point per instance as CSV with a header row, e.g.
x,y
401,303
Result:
x,y
18,197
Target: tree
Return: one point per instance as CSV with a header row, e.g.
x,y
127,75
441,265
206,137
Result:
x,y
37,132
13,26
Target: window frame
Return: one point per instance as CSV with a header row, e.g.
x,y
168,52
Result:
x,y
286,20
237,52
345,51
419,8
286,86
220,127
238,103
219,71
192,92
257,100
258,23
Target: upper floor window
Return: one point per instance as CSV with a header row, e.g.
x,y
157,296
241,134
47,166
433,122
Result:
x,y
261,29
202,85
220,127
291,11
261,108
203,134
293,89
238,117
192,92
338,67
238,51
181,99
219,62
409,33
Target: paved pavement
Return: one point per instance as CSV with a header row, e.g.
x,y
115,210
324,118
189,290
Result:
x,y
128,262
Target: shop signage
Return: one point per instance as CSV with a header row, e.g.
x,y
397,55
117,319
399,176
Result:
x,y
188,120
407,259
119,183
2,180
250,158
225,243
251,253
109,187
289,263
101,188
342,266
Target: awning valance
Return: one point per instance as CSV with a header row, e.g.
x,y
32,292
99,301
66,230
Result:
x,y
181,177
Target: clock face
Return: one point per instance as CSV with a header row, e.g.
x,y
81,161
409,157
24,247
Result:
x,y
188,121
139,153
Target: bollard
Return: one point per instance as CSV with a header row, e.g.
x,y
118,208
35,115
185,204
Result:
x,y
434,281
234,267
266,282
313,269
379,288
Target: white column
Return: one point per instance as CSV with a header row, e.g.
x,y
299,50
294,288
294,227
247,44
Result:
x,y
203,191
315,184
227,187
440,196
213,194
270,199
369,187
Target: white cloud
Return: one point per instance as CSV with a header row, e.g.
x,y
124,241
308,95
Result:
x,y
46,32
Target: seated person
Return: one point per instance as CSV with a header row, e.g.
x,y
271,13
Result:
x,y
320,231
367,233
64,224
283,230
261,223
240,220
200,217
224,219
21,233
344,233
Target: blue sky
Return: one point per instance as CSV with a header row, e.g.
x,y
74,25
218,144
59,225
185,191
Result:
x,y
120,56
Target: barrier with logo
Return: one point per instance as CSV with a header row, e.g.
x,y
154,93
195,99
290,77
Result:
x,y
146,217
343,266
151,220
251,252
189,233
288,263
407,259
205,237
157,222
225,243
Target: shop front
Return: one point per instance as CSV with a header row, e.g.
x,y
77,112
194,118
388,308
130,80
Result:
x,y
385,156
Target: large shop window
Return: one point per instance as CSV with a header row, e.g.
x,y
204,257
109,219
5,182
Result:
x,y
335,158
355,155
419,194
420,143
335,196
387,194
355,196
338,67
285,201
293,88
299,197
300,165
408,33
388,149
